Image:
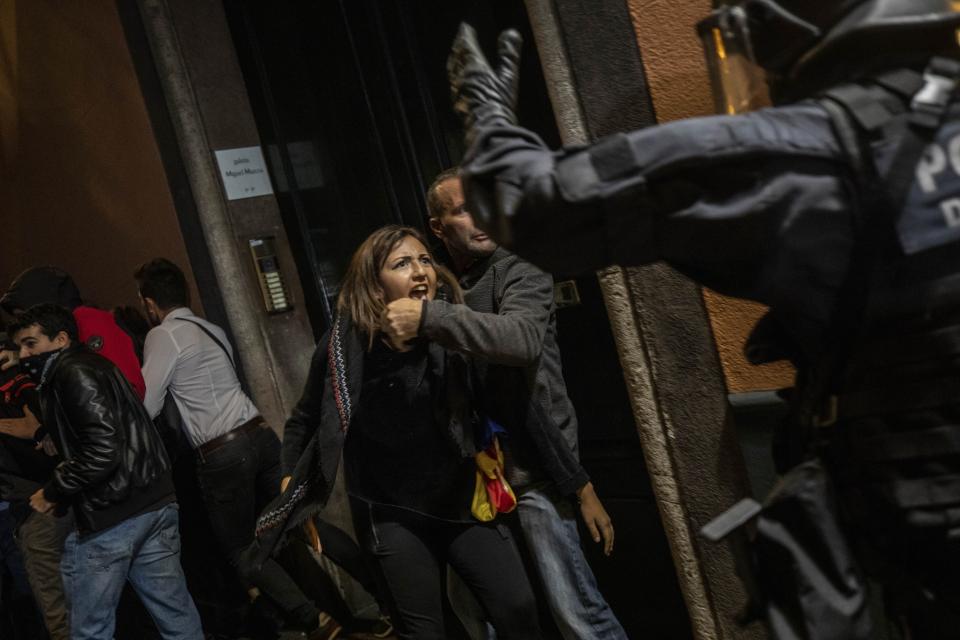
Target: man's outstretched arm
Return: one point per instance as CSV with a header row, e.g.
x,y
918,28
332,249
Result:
x,y
713,196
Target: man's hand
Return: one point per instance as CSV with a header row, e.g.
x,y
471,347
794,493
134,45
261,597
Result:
x,y
24,428
40,504
595,517
8,358
480,92
400,322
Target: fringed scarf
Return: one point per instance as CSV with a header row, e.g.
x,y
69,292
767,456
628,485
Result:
x,y
313,477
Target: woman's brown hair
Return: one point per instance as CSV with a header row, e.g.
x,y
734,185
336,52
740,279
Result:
x,y
361,295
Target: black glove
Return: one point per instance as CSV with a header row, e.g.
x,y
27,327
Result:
x,y
480,93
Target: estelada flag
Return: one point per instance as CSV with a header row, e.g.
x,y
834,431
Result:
x,y
492,493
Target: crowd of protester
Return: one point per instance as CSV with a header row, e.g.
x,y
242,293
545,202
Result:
x,y
144,495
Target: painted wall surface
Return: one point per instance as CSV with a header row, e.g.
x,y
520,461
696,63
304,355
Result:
x,y
680,87
82,185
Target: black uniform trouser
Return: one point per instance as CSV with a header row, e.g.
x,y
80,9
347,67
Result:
x,y
411,554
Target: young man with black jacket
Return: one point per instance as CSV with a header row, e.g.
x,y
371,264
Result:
x,y
116,476
508,326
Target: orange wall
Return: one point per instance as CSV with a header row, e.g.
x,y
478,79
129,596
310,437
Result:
x,y
680,86
82,185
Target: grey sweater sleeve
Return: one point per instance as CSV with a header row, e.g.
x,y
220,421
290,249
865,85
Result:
x,y
716,197
512,337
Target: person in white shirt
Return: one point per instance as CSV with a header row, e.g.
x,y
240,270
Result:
x,y
237,453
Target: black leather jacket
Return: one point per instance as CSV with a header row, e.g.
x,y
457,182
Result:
x,y
115,466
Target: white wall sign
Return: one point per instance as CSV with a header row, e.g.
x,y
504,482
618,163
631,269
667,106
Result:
x,y
243,172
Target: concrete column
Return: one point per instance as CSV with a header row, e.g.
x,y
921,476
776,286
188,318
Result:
x,y
207,101
658,318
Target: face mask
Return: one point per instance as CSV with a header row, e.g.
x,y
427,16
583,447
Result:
x,y
36,366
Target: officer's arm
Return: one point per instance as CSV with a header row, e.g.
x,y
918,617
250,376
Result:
x,y
625,198
513,336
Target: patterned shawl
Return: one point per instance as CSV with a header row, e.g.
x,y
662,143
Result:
x,y
313,477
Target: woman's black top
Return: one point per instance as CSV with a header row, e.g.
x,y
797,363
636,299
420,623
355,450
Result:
x,y
397,452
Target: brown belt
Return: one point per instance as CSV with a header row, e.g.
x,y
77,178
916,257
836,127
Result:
x,y
247,427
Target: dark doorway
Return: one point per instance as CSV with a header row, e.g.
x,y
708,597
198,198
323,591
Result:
x,y
352,105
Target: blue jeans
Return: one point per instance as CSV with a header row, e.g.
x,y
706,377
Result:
x,y
144,550
549,523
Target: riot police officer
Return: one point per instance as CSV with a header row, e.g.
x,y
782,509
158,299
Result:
x,y
839,208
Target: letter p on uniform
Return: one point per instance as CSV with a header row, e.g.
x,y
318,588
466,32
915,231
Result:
x,y
934,162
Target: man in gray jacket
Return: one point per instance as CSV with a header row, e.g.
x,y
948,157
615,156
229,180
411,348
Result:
x,y
508,326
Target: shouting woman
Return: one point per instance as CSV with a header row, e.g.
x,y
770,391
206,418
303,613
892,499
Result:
x,y
402,417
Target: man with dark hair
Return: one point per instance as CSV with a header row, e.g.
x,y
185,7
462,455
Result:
x,y
116,476
164,283
237,453
508,325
